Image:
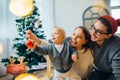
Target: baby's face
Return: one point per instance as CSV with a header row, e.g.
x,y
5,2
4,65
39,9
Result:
x,y
58,36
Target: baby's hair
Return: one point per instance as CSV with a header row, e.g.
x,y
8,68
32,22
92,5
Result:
x,y
60,29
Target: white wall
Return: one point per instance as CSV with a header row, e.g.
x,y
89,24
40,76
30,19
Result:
x,y
46,11
7,26
68,13
3,32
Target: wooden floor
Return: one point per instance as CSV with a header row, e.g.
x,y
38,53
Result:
x,y
42,75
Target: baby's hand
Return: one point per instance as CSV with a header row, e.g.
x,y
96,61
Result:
x,y
74,57
30,35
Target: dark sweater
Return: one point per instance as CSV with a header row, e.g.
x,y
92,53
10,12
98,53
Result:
x,y
62,61
107,56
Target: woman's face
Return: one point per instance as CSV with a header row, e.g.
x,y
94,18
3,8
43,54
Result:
x,y
78,38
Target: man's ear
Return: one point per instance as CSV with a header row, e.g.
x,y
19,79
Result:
x,y
109,35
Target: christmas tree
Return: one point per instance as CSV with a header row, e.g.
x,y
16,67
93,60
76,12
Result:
x,y
33,23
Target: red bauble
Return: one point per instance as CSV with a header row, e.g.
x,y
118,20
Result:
x,y
29,43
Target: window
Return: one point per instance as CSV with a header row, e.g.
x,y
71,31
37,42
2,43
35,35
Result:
x,y
92,13
115,8
115,11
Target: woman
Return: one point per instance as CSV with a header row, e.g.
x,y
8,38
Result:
x,y
80,40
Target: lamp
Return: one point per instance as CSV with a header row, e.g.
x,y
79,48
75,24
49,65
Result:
x,y
21,8
1,48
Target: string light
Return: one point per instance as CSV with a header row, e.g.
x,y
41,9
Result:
x,y
1,48
21,8
27,76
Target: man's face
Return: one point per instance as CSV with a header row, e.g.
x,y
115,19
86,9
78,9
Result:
x,y
99,32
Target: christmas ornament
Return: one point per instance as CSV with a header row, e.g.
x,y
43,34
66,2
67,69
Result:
x,y
29,43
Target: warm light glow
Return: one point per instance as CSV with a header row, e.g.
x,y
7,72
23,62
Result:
x,y
29,78
100,2
21,8
26,76
1,48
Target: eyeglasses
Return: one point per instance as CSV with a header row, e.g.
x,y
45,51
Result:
x,y
98,32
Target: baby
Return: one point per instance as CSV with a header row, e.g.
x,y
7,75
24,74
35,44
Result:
x,y
61,54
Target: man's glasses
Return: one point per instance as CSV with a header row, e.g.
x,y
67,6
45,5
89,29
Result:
x,y
98,32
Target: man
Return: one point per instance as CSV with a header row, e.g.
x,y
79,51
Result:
x,y
106,48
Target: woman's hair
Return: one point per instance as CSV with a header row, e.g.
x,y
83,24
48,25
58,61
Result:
x,y
88,44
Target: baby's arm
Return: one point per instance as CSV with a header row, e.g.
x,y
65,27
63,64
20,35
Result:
x,y
73,53
31,36
37,49
74,57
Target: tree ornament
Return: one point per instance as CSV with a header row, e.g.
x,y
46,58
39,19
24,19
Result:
x,y
29,44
